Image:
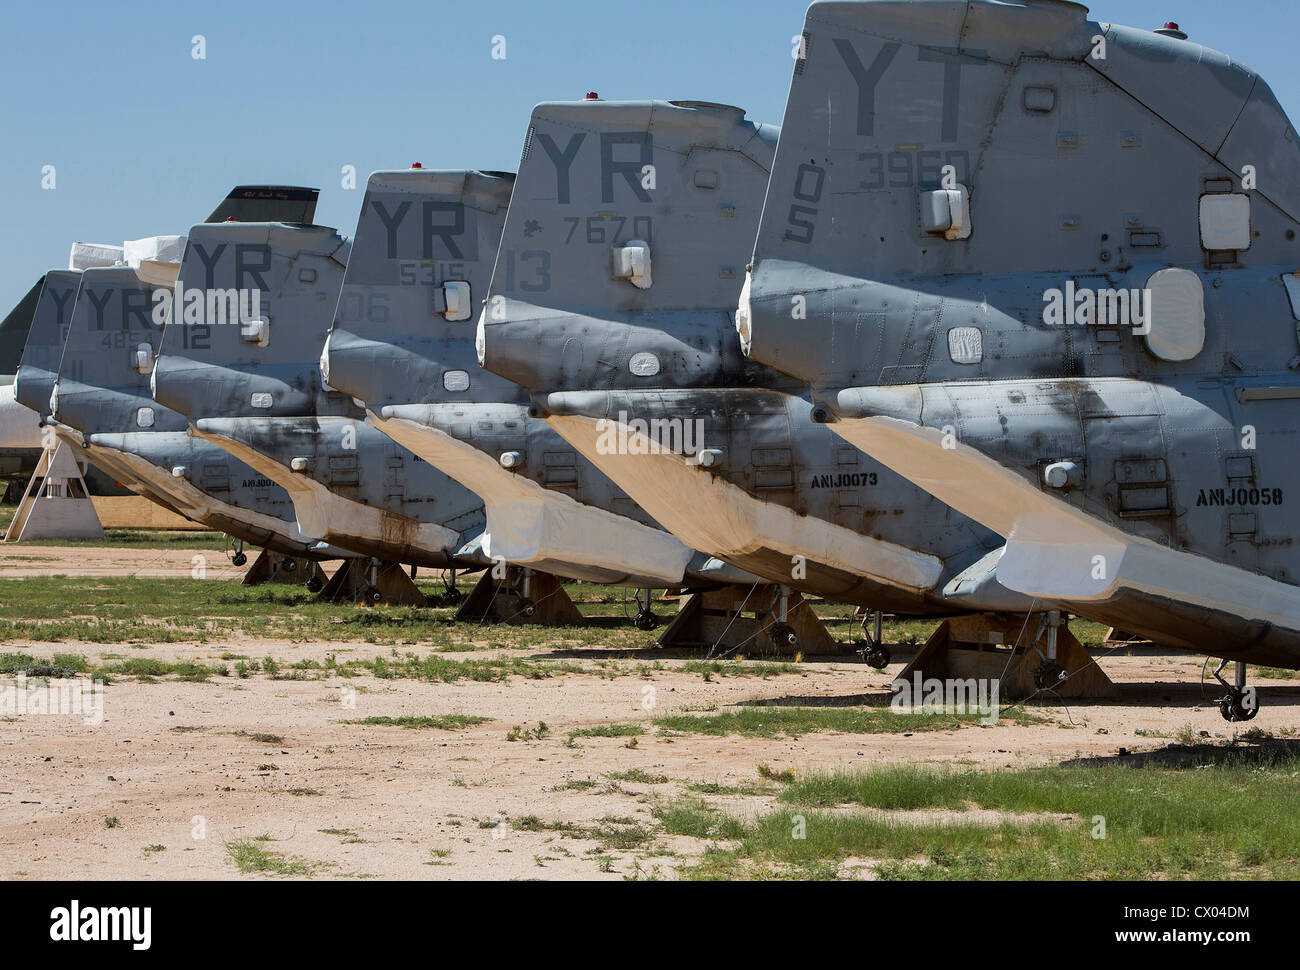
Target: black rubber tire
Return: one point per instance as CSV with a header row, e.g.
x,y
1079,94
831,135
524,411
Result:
x,y
1048,675
1235,712
878,658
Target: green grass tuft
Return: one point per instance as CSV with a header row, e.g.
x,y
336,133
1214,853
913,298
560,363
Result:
x,y
251,858
442,722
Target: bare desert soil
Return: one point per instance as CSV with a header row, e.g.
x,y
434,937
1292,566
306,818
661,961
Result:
x,y
183,770
19,561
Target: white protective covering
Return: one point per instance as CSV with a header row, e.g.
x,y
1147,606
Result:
x,y
1177,310
175,486
947,211
708,512
95,255
158,249
1292,283
966,345
1225,222
528,524
456,301
1054,550
19,426
155,259
644,365
632,262
320,512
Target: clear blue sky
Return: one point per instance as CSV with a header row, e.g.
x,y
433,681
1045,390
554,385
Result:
x,y
146,140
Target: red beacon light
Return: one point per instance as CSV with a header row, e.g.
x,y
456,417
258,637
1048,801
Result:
x,y
593,96
417,165
1171,29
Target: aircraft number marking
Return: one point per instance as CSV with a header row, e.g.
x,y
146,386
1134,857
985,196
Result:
x,y
425,273
1215,497
597,231
369,307
535,265
846,480
907,169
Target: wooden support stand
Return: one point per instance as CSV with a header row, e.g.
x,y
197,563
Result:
x,y
56,504
535,599
743,619
372,582
975,646
271,567
1119,639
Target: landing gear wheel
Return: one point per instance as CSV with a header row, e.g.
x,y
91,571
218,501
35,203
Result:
x,y
877,657
373,596
784,636
1238,707
289,564
315,584
527,608
645,620
452,596
1241,703
240,559
1048,675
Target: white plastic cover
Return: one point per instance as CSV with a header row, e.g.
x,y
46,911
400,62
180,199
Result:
x,y
256,332
94,256
644,365
1225,222
157,249
1177,311
1292,283
745,315
158,273
632,263
456,301
966,345
947,211
19,426
708,512
527,523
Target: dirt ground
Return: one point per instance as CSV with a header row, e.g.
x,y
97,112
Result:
x,y
19,561
184,769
